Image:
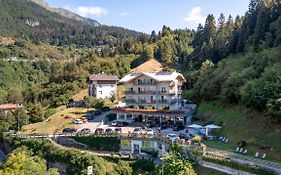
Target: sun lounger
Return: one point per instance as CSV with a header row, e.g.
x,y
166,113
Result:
x,y
237,149
256,155
220,138
226,141
241,150
263,156
223,139
245,152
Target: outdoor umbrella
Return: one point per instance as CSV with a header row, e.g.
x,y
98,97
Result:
x,y
212,126
194,126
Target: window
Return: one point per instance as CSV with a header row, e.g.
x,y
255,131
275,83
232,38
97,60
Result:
x,y
100,92
100,86
163,89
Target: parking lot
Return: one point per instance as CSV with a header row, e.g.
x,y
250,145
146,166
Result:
x,y
98,122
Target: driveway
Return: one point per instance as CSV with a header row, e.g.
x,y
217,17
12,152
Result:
x,y
95,123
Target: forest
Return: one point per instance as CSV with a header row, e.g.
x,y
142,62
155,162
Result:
x,y
233,60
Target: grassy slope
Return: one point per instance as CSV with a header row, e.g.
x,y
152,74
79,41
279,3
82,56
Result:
x,y
56,122
206,171
239,125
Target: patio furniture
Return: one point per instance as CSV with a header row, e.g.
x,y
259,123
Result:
x,y
237,149
263,156
245,152
226,141
256,155
241,150
223,140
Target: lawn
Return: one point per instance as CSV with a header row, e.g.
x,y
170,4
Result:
x,y
237,125
200,170
80,95
55,123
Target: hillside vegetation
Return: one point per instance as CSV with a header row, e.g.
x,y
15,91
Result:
x,y
239,124
252,80
26,19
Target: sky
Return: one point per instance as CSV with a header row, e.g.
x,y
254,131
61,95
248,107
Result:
x,y
148,15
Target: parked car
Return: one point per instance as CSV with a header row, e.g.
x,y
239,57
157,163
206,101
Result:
x,y
122,124
97,112
85,131
162,127
118,130
178,128
105,109
69,130
149,132
99,131
114,123
137,130
89,116
77,121
152,125
172,137
108,131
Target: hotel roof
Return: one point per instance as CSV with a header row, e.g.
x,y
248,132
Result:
x,y
158,76
9,106
99,77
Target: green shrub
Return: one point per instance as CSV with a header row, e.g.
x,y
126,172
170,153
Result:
x,y
76,162
143,165
153,153
49,112
100,143
111,117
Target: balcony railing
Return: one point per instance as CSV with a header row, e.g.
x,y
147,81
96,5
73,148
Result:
x,y
149,92
151,101
144,83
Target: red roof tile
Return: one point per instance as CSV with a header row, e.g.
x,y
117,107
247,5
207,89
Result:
x,y
9,106
104,77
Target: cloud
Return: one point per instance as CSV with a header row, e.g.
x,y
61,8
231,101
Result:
x,y
195,15
91,11
124,14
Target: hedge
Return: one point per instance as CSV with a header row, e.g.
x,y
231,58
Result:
x,y
100,142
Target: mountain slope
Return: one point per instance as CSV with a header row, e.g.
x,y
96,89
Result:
x,y
66,13
26,19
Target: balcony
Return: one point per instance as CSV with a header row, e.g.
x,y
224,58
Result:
x,y
130,92
140,92
167,92
145,83
130,100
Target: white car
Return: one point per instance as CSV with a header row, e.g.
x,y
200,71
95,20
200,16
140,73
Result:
x,y
172,137
149,132
137,130
77,121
